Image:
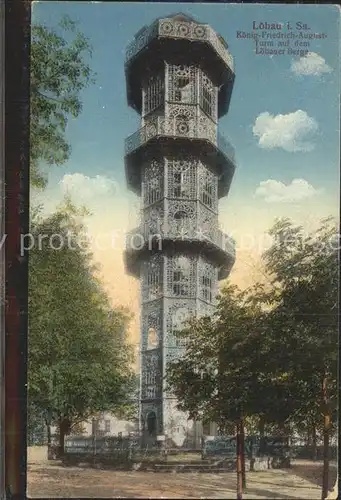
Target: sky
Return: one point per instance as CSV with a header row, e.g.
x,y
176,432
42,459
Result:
x,y
283,122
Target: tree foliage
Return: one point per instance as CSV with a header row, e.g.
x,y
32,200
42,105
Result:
x,y
59,73
267,350
304,270
79,359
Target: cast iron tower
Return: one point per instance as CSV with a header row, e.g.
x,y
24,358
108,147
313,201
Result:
x,y
179,77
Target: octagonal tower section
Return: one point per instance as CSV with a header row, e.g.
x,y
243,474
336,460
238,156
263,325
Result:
x,y
179,76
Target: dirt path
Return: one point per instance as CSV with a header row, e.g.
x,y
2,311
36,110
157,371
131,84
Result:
x,y
312,472
300,482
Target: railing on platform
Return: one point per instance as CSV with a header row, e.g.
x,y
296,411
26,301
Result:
x,y
170,28
139,237
170,127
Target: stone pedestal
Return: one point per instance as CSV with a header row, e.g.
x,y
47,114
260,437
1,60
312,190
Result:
x,y
259,464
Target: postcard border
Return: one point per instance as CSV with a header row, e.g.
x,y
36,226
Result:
x,y
17,79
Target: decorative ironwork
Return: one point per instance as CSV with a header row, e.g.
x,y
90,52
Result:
x,y
184,111
182,84
159,126
175,29
152,278
153,92
179,201
181,218
178,312
181,276
151,320
190,85
199,31
207,128
207,223
220,47
208,187
142,235
151,375
181,182
208,94
208,280
142,39
152,183
153,218
182,178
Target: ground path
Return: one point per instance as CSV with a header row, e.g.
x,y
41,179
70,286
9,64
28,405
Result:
x,y
302,481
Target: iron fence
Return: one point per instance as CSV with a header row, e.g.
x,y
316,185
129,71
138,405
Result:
x,y
127,449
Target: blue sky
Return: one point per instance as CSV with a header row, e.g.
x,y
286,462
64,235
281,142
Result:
x,y
262,84
283,122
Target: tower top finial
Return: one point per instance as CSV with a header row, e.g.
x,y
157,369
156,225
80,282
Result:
x,y
180,16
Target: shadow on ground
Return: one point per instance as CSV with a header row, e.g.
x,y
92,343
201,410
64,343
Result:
x,y
268,494
312,472
67,482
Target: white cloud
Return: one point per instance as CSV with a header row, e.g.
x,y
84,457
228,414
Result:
x,y
289,132
86,188
311,64
274,191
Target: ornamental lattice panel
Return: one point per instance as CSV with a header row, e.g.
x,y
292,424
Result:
x,y
182,84
151,325
176,315
182,178
152,278
179,78
153,90
152,182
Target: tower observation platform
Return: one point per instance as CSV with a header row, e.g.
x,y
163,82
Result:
x,y
179,77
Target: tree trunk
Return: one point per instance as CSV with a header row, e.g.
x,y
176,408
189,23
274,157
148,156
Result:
x,y
64,428
61,441
314,443
261,430
48,435
242,449
94,426
326,430
48,428
261,426
239,462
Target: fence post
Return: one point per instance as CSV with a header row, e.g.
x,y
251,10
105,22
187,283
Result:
x,y
129,450
93,440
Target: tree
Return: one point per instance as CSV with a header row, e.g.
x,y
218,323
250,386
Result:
x,y
270,351
79,359
305,271
59,73
213,380
227,369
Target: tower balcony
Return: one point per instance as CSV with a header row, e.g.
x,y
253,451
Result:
x,y
213,242
179,29
170,127
204,139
